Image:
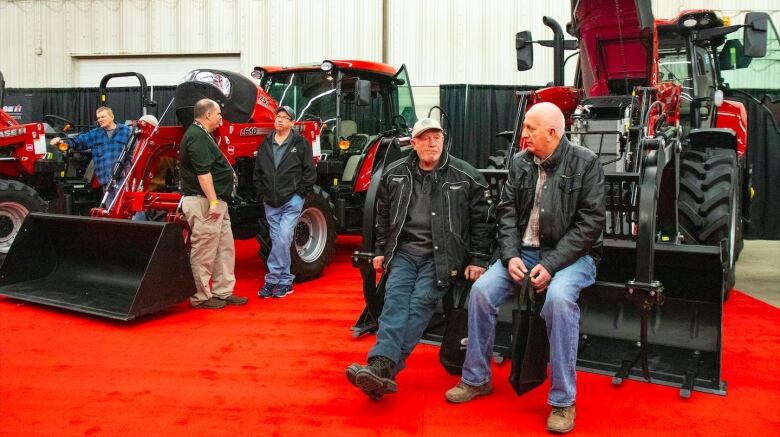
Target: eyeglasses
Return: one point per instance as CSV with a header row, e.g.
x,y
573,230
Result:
x,y
282,117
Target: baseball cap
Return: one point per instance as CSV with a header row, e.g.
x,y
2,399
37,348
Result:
x,y
286,109
424,125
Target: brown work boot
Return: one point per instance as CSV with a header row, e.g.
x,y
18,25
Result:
x,y
561,419
235,300
463,392
213,303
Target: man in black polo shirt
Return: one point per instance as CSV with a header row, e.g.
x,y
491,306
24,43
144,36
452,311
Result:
x,y
207,180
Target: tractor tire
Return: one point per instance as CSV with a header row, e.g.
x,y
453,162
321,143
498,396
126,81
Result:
x,y
16,201
708,203
314,239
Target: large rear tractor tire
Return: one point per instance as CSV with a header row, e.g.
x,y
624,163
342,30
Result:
x,y
708,203
314,240
16,201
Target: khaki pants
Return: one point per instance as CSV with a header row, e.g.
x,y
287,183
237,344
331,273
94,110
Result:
x,y
213,254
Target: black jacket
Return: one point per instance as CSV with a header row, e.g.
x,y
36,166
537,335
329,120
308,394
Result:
x,y
572,210
462,214
296,172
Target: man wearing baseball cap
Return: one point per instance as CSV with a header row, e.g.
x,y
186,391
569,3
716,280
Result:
x,y
434,223
284,175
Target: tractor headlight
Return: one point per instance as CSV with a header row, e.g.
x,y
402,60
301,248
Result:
x,y
326,66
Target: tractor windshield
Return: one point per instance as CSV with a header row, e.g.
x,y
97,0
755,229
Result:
x,y
311,94
695,74
330,97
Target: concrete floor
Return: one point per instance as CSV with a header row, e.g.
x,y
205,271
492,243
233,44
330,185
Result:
x,y
758,270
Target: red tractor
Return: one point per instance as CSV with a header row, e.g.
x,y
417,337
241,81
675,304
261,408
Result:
x,y
356,114
352,112
648,99
27,173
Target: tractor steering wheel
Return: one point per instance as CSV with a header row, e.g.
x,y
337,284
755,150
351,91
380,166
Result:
x,y
399,122
59,124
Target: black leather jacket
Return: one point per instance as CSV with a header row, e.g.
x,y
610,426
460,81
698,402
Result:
x,y
463,215
572,210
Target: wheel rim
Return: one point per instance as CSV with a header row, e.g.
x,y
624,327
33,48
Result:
x,y
11,217
311,235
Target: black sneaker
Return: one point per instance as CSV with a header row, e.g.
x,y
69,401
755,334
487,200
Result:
x,y
266,291
377,377
283,290
351,372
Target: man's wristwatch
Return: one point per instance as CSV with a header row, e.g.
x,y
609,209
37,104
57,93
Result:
x,y
214,202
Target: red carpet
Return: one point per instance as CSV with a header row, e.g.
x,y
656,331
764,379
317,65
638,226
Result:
x,y
276,367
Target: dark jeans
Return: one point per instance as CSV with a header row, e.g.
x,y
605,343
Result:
x,y
411,294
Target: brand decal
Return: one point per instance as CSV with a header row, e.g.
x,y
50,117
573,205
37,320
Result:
x,y
254,131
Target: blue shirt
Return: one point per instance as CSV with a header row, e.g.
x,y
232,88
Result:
x,y
105,151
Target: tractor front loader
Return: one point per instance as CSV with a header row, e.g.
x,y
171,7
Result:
x,y
352,112
108,267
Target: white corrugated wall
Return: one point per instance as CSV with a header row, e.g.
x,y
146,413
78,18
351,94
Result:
x,y
441,41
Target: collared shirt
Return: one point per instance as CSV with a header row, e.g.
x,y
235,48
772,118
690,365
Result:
x,y
280,149
531,235
105,150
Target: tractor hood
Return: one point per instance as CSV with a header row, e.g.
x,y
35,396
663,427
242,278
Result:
x,y
617,45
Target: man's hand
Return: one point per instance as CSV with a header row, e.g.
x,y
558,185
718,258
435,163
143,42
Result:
x,y
54,141
517,269
540,278
213,212
472,272
378,261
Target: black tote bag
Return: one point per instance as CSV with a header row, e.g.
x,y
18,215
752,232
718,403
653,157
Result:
x,y
453,344
530,347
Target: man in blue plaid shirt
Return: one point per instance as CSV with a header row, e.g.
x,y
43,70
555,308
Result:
x,y
105,142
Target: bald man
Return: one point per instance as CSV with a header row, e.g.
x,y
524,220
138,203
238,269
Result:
x,y
551,218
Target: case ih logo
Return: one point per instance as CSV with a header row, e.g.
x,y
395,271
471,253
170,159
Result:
x,y
13,108
253,131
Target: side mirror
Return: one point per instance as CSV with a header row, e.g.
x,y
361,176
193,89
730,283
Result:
x,y
525,50
755,34
363,92
732,56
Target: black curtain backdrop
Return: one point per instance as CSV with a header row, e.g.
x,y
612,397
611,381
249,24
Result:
x,y
478,112
763,156
79,104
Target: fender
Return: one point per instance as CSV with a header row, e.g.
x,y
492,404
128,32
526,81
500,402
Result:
x,y
732,115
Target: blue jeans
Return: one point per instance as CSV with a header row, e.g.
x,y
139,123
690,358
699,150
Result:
x,y
411,294
560,312
281,224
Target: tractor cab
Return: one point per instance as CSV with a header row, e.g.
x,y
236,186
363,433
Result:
x,y
363,110
696,49
354,101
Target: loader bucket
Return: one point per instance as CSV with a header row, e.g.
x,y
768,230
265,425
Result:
x,y
684,332
112,268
